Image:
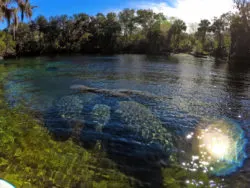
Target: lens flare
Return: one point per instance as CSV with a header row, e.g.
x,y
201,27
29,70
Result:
x,y
216,143
221,147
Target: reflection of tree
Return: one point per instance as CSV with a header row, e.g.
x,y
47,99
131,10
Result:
x,y
233,81
238,88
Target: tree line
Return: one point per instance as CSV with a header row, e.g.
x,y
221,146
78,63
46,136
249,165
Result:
x,y
129,31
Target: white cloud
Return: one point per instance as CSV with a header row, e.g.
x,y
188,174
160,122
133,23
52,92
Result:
x,y
191,11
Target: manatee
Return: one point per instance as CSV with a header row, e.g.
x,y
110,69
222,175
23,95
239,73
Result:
x,y
143,123
70,107
84,89
100,115
125,93
51,69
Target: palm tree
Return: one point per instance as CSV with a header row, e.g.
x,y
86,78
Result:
x,y
6,13
176,29
15,21
204,27
219,27
10,14
25,8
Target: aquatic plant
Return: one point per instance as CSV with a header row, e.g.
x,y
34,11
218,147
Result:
x,y
29,157
140,120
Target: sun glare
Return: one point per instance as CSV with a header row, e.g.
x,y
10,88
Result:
x,y
221,147
216,143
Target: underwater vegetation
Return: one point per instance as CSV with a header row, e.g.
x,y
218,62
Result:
x,y
29,157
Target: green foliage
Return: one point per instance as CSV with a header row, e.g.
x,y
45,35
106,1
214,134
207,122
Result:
x,y
29,156
141,31
240,32
198,47
129,31
174,34
7,45
186,43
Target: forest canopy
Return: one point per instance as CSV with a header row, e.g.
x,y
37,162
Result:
x,y
129,31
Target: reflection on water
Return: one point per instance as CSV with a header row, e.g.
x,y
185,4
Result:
x,y
158,140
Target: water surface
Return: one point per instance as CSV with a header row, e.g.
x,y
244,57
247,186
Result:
x,y
148,132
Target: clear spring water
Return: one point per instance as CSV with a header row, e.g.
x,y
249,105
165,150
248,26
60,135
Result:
x,y
189,111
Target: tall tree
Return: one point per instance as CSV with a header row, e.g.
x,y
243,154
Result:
x,y
112,31
9,10
203,28
240,32
127,20
220,28
244,10
26,9
145,18
175,32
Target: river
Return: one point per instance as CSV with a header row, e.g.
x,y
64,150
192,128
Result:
x,y
149,113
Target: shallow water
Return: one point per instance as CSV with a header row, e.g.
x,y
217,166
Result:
x,y
157,123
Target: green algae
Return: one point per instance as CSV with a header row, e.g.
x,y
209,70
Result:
x,y
30,157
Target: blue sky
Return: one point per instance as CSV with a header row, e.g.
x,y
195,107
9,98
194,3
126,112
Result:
x,y
191,11
56,7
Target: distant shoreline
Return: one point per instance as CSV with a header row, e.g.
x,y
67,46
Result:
x,y
201,56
